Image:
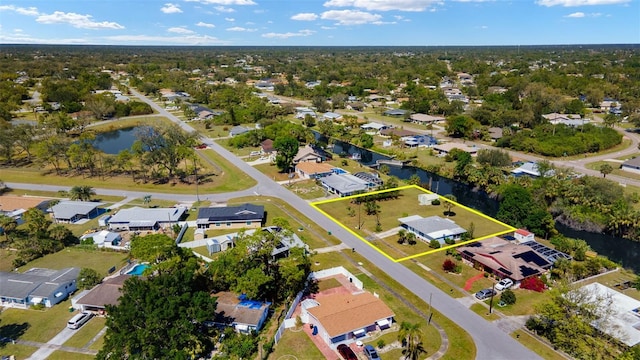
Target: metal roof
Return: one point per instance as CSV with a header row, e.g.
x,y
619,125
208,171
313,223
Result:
x,y
143,215
68,209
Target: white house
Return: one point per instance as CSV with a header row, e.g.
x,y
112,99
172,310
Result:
x,y
37,286
432,228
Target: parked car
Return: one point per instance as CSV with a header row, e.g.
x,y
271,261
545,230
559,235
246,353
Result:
x,y
371,353
485,293
504,284
78,320
346,352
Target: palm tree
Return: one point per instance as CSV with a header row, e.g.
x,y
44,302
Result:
x,y
450,198
82,193
411,337
402,236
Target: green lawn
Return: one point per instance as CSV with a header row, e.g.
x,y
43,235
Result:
x,y
483,311
406,204
434,261
19,351
297,344
98,260
124,123
246,151
307,189
35,325
63,355
536,346
272,171
87,332
6,259
231,179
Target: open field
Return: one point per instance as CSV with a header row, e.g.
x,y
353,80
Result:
x,y
295,344
6,259
534,344
307,189
272,171
17,350
231,179
98,260
63,355
128,122
353,218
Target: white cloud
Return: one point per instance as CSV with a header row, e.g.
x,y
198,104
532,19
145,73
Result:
x,y
385,5
204,24
328,27
225,2
19,37
350,17
304,17
230,19
576,15
240,29
77,20
288,34
30,11
167,40
170,8
180,30
572,3
224,9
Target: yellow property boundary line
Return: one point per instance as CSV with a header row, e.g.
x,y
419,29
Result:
x,y
509,228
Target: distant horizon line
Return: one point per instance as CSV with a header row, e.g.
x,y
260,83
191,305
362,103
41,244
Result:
x,y
333,46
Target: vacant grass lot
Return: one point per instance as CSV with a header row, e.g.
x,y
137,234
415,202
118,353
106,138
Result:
x,y
98,260
296,345
307,189
6,259
272,171
231,179
536,346
406,204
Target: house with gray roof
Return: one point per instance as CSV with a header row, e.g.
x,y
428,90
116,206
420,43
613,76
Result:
x,y
37,286
395,112
238,130
138,218
106,293
530,168
231,217
72,211
632,165
344,184
432,228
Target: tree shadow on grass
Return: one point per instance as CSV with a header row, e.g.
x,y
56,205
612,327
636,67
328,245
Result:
x,y
449,213
11,332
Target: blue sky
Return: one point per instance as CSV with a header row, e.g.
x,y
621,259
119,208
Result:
x,y
320,22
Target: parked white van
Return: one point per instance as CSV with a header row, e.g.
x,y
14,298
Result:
x,y
78,320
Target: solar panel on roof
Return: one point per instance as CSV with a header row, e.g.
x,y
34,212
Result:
x,y
468,253
527,271
505,271
532,257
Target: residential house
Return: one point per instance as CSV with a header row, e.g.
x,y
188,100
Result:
x,y
530,168
264,85
266,149
566,119
425,119
309,153
238,130
622,320
143,219
227,241
447,147
37,286
523,236
14,206
373,127
313,170
504,258
312,84
495,133
372,179
609,104
395,112
243,315
106,293
345,184
420,141
343,317
432,228
72,211
356,106
388,132
231,217
302,112
632,165
104,238
331,116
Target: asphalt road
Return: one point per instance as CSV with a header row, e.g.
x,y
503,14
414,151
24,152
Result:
x,y
491,342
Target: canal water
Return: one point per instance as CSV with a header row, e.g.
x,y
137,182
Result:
x,y
623,251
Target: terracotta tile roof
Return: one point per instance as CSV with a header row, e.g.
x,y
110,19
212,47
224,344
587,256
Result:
x,y
314,168
523,232
13,202
343,313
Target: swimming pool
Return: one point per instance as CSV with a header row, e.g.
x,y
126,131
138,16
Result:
x,y
138,269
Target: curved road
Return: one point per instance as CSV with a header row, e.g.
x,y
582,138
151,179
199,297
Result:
x,y
491,342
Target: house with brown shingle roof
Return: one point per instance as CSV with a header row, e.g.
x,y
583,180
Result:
x,y
504,258
106,293
343,317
